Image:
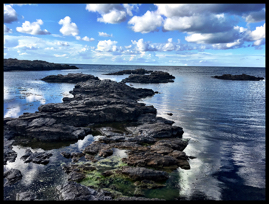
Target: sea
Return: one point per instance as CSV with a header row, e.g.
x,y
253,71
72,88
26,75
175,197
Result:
x,y
224,121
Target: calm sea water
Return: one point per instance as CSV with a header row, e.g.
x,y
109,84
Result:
x,y
225,121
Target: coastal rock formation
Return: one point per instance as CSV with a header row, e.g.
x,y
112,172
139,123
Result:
x,y
69,78
35,65
154,77
136,71
94,101
238,77
9,154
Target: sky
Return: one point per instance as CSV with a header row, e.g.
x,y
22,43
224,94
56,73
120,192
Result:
x,y
137,34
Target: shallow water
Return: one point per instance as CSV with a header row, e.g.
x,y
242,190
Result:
x,y
225,121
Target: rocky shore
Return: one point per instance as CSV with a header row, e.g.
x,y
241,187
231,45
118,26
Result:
x,y
153,145
238,77
136,71
35,65
153,77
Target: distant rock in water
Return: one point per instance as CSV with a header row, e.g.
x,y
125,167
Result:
x,y
154,77
238,77
69,78
136,71
35,65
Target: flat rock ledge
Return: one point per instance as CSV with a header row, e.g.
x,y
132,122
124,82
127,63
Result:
x,y
153,77
238,77
69,78
35,65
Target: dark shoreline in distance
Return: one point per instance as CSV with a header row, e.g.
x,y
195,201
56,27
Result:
x,y
13,64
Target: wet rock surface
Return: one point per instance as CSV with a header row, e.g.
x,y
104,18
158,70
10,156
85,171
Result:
x,y
35,65
153,77
238,77
75,191
12,176
36,157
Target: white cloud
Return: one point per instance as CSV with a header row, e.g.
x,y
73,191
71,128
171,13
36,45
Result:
x,y
113,17
255,16
56,55
146,23
143,46
106,45
10,14
62,43
169,46
68,28
104,34
111,13
128,47
257,34
7,30
32,28
87,39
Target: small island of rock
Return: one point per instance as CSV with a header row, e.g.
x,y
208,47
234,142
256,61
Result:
x,y
136,71
35,65
238,77
154,77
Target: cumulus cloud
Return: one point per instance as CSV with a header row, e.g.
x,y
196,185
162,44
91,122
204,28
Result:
x,y
198,23
10,14
107,46
7,30
143,46
111,13
104,34
255,16
62,43
32,28
68,28
88,39
257,35
149,22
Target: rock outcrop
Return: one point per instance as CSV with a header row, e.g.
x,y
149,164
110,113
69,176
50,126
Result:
x,y
94,101
238,77
35,65
69,78
154,77
136,71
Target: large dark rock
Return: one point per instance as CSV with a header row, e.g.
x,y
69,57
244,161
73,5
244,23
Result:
x,y
69,78
141,173
12,176
157,130
35,65
75,191
154,77
238,77
136,71
9,154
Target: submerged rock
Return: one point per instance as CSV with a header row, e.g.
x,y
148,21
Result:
x,y
26,196
12,176
238,77
141,173
154,77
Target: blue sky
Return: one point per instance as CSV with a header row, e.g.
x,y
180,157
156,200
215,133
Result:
x,y
138,34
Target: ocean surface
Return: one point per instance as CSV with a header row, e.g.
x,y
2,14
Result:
x,y
224,120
